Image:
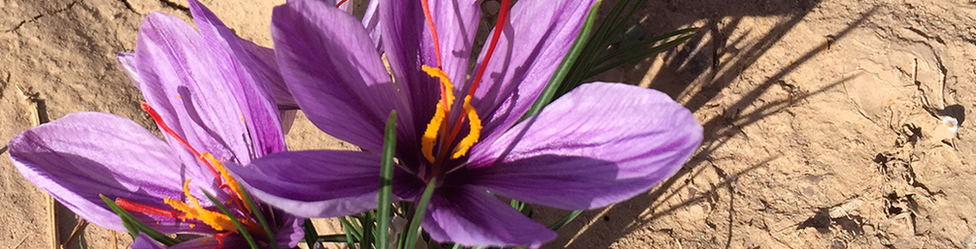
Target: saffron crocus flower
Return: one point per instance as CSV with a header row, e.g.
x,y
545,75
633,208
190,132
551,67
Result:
x,y
213,106
599,144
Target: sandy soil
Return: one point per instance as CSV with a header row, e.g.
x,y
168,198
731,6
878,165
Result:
x,y
823,119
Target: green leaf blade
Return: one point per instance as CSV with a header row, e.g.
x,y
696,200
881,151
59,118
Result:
x,y
386,183
240,227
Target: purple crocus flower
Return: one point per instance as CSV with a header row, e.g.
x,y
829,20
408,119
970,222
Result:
x,y
210,95
599,144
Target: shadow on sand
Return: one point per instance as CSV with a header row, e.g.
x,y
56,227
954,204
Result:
x,y
704,77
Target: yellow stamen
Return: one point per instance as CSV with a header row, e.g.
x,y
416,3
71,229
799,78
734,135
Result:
x,y
229,180
437,122
474,132
430,135
217,221
447,89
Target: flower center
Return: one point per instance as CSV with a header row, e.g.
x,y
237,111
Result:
x,y
441,132
192,209
444,133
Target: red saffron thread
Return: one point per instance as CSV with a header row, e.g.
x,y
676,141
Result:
x,y
499,25
159,120
220,239
136,207
433,30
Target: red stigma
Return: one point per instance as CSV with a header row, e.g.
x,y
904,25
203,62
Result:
x,y
499,25
433,31
220,239
136,207
162,125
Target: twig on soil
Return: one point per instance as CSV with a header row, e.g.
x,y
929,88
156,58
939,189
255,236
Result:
x,y
31,101
79,224
21,242
115,239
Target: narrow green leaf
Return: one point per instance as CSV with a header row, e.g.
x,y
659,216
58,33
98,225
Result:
x,y
525,209
240,227
386,183
633,47
619,26
356,225
136,226
335,238
598,43
258,215
409,240
564,67
637,56
310,234
457,246
351,233
367,221
565,220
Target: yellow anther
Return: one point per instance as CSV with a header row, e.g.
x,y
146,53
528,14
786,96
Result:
x,y
474,130
447,89
229,180
430,135
217,221
437,122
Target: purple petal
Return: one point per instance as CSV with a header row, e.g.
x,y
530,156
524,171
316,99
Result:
x,y
143,241
402,28
128,62
334,72
264,58
372,23
537,36
82,155
192,96
599,144
345,7
290,231
288,120
472,217
252,89
457,23
318,184
233,241
408,44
